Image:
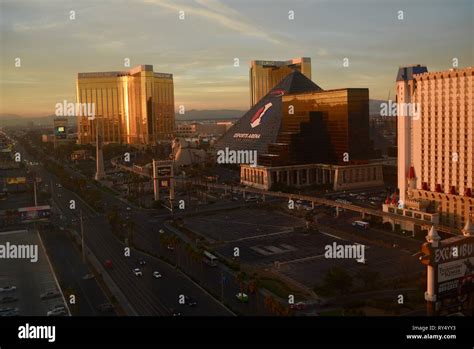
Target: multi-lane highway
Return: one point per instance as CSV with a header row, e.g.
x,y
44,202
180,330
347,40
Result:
x,y
146,294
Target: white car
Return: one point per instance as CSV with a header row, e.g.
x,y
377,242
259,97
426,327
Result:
x,y
161,231
57,312
8,289
137,272
156,275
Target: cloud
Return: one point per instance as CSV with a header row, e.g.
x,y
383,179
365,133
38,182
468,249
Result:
x,y
222,15
21,28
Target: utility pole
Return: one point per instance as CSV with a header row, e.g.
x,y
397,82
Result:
x,y
222,287
82,243
34,190
156,185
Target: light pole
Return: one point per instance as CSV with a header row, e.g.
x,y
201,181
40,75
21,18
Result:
x,y
82,240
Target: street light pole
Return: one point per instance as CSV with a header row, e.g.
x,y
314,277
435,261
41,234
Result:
x,y
82,241
222,286
34,189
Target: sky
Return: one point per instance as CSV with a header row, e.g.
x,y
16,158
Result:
x,y
200,50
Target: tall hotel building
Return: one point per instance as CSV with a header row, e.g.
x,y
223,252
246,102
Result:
x,y
264,75
131,107
436,142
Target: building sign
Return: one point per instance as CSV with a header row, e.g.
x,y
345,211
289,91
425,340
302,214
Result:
x,y
451,249
16,180
247,135
456,269
453,264
35,213
456,278
278,92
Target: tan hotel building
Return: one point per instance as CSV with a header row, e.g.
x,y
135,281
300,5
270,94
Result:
x,y
436,143
264,75
132,107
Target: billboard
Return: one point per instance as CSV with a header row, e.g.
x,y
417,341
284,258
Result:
x,y
456,278
60,132
35,213
16,180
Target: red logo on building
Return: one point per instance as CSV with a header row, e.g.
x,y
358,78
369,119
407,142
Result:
x,y
257,118
278,93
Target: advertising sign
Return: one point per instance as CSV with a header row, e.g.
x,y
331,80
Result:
x,y
35,213
16,180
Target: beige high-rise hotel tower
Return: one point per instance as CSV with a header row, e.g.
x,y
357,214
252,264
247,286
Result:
x,y
436,143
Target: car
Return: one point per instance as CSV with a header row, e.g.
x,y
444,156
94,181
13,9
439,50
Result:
x,y
141,261
57,312
170,248
8,299
128,208
7,310
50,295
161,231
137,272
190,301
8,289
244,298
88,276
57,307
156,274
175,312
108,264
105,307
298,306
10,313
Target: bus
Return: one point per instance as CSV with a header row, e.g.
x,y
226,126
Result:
x,y
361,224
210,259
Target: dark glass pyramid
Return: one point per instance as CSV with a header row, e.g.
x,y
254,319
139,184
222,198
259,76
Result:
x,y
260,125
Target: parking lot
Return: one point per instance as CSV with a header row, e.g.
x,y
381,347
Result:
x,y
266,239
31,279
241,224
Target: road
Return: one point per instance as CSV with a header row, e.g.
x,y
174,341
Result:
x,y
147,295
70,270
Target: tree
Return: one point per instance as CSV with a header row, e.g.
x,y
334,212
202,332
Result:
x,y
254,289
368,277
338,279
240,277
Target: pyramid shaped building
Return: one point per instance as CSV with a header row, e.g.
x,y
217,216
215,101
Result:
x,y
260,126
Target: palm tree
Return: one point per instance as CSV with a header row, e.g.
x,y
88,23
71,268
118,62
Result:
x,y
240,279
254,288
190,255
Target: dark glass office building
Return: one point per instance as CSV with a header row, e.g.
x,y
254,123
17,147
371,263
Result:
x,y
330,127
299,123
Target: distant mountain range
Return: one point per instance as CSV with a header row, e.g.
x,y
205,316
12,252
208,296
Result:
x,y
17,120
190,115
201,115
